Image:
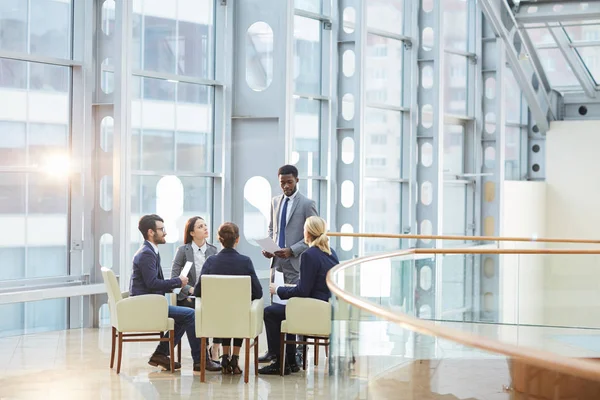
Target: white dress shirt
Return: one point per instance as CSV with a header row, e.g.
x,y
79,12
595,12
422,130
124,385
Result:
x,y
199,257
155,247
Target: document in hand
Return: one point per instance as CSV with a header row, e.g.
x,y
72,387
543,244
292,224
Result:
x,y
278,281
186,268
267,244
184,272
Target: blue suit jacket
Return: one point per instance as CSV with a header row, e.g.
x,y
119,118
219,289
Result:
x,y
314,266
147,275
230,262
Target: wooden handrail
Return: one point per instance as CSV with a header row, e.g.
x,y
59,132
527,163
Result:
x,y
570,366
463,238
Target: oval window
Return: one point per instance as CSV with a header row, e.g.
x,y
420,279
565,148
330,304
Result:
x,y
257,201
259,56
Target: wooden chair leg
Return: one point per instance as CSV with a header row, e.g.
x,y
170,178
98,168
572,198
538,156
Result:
x,y
327,350
172,350
317,341
179,352
112,346
282,353
120,352
304,357
202,358
256,356
247,360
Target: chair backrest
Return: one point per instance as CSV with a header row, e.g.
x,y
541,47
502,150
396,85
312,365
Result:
x,y
113,291
226,302
306,316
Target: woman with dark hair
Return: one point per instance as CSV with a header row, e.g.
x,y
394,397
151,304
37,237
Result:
x,y
229,262
195,250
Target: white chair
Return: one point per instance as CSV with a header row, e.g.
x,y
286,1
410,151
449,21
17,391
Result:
x,y
225,311
306,317
135,319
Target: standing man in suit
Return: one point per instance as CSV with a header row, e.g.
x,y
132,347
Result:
x,y
147,278
289,211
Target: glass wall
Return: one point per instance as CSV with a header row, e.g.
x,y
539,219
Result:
x,y
310,101
35,138
382,145
172,118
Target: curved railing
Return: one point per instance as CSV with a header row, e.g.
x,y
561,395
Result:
x,y
564,367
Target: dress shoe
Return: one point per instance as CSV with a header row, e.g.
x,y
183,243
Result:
x,y
267,357
294,368
163,361
210,366
273,369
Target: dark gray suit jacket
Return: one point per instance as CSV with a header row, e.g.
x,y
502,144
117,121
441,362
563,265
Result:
x,y
302,208
184,254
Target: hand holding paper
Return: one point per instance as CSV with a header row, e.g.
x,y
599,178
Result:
x,y
268,245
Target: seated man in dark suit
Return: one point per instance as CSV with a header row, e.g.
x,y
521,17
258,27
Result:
x,y
147,278
229,262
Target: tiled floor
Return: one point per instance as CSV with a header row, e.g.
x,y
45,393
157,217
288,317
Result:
x,y
389,364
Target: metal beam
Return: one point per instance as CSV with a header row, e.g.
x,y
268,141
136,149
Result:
x,y
574,61
565,11
523,68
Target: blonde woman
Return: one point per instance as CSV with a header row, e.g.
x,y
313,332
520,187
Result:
x,y
314,265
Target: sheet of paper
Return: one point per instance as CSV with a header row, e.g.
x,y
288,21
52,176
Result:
x,y
184,272
278,281
186,268
268,244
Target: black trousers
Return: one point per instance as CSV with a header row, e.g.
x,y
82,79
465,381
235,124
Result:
x,y
273,316
227,342
191,303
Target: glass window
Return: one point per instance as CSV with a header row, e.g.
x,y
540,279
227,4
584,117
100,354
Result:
x,y
541,37
454,149
557,70
382,214
455,208
259,56
12,144
386,15
306,150
383,143
177,39
309,5
307,55
456,24
383,79
583,33
513,98
591,59
512,160
172,130
455,97
44,30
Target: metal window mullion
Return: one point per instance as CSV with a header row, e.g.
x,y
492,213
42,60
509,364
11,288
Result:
x,y
224,61
122,141
410,79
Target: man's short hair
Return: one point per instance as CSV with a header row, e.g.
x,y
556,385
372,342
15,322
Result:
x,y
148,222
287,170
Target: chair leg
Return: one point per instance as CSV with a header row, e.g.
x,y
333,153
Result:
x,y
113,337
317,351
304,357
327,350
247,360
172,350
179,352
202,358
120,352
282,353
256,356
